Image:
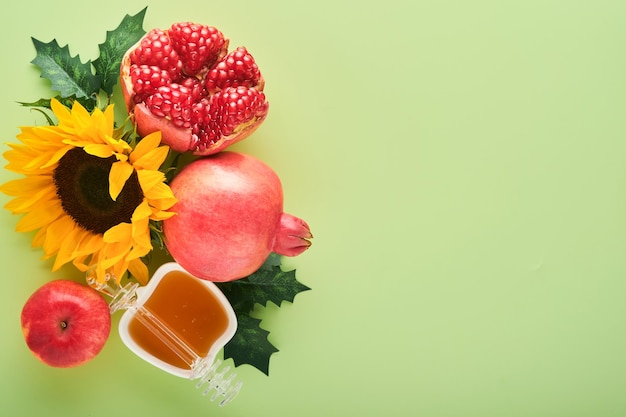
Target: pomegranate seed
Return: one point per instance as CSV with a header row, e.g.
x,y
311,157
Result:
x,y
147,79
236,69
199,46
236,107
156,50
174,102
195,86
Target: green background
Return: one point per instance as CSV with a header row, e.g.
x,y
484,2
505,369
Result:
x,y
462,165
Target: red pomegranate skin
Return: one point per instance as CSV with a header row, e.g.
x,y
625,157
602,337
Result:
x,y
229,217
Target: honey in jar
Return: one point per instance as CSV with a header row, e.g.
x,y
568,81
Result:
x,y
189,309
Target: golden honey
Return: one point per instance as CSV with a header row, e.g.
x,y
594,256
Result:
x,y
188,308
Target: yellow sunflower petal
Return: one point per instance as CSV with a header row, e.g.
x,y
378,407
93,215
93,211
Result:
x,y
26,185
61,112
35,154
42,138
161,195
70,242
91,244
142,212
138,252
101,271
119,233
153,158
80,263
162,215
119,269
139,270
119,174
104,121
55,233
109,118
146,144
37,162
37,219
141,242
149,178
81,119
43,198
114,253
56,157
118,145
18,158
99,150
39,238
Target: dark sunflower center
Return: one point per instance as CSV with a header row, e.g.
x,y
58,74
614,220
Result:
x,y
82,183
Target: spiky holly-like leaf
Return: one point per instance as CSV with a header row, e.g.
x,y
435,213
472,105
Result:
x,y
117,42
250,344
267,284
68,75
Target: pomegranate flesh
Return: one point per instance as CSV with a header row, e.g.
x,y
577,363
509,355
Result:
x,y
183,82
229,217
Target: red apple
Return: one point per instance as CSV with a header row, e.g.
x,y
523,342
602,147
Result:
x,y
65,323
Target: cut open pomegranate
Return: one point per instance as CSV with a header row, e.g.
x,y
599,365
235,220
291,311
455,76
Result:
x,y
183,82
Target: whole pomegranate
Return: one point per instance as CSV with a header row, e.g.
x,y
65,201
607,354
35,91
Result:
x,y
229,217
183,82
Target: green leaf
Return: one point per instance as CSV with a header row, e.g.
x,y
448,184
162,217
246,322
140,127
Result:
x,y
117,42
42,102
68,75
264,285
272,260
66,101
268,283
250,345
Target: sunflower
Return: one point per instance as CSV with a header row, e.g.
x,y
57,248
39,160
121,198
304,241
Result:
x,y
89,195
